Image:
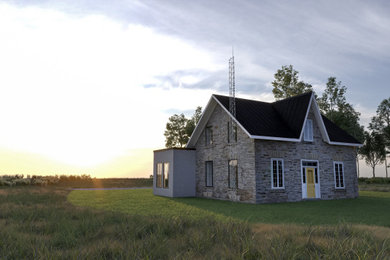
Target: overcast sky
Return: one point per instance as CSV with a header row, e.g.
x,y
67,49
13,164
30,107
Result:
x,y
87,82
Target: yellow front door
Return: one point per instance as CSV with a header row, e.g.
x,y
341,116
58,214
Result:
x,y
311,190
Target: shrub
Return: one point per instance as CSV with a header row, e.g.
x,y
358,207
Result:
x,y
376,180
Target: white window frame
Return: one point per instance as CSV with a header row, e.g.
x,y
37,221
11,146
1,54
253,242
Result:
x,y
334,172
308,131
277,176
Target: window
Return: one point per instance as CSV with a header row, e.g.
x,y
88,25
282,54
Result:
x,y
233,174
159,175
209,173
339,175
166,175
277,171
209,135
232,132
308,132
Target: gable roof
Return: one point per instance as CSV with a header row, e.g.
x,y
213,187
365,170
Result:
x,y
282,120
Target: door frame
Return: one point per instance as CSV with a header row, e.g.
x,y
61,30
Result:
x,y
317,185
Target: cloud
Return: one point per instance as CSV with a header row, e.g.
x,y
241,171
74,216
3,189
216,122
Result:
x,y
83,81
72,87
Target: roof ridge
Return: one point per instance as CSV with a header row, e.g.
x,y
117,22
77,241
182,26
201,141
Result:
x,y
296,96
253,100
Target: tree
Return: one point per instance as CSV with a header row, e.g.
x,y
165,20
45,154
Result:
x,y
373,150
179,129
381,124
193,121
333,104
286,83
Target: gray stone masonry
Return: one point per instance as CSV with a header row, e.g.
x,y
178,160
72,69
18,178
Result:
x,y
254,165
220,151
292,153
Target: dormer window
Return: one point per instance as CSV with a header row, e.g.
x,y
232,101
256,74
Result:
x,y
308,132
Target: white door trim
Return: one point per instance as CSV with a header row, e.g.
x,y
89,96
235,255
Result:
x,y
317,185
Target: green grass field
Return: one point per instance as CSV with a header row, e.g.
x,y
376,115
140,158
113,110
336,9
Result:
x,y
371,208
54,223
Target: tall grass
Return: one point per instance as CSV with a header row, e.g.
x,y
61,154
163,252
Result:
x,y
40,223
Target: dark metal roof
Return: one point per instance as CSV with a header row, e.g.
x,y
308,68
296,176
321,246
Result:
x,y
336,134
283,118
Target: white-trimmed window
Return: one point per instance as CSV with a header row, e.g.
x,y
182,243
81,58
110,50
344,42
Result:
x,y
339,175
277,173
308,131
209,173
208,135
233,174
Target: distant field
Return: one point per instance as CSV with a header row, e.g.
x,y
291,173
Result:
x,y
109,183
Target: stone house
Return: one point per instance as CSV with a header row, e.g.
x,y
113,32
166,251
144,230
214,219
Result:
x,y
270,152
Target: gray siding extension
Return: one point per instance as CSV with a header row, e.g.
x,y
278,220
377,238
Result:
x,y
181,181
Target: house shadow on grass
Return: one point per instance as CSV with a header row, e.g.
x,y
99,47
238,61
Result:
x,y
371,208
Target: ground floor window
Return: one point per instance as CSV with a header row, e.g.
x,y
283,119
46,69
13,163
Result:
x,y
162,175
233,174
159,173
166,175
209,173
339,175
277,173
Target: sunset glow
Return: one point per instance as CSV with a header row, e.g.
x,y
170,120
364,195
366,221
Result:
x,y
87,87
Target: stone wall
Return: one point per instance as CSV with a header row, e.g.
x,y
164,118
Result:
x,y
220,151
292,153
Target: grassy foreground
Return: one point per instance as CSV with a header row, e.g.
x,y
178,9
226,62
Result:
x,y
38,223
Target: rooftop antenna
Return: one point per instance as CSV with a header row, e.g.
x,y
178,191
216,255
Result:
x,y
232,86
232,128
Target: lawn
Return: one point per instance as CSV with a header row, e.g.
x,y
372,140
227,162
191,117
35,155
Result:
x,y
371,208
54,223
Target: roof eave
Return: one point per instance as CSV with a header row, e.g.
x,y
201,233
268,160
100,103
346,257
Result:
x,y
346,144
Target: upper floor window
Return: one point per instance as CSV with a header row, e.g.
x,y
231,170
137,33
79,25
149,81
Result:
x,y
232,132
209,135
277,173
233,174
209,173
308,131
339,175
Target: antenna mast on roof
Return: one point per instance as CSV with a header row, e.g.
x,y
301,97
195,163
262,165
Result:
x,y
232,86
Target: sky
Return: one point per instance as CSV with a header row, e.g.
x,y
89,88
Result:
x,y
86,87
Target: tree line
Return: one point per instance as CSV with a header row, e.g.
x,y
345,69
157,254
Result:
x,y
333,104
